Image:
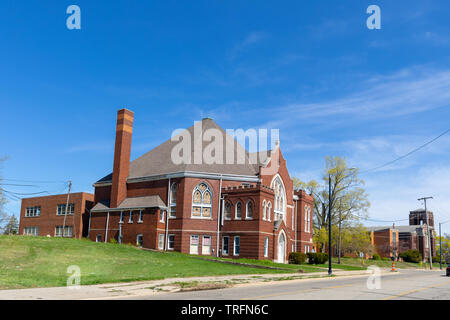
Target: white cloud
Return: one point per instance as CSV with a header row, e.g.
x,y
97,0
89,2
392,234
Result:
x,y
406,92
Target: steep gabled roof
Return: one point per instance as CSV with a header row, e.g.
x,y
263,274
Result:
x,y
158,160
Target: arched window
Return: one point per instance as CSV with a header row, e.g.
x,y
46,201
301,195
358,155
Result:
x,y
280,199
238,214
269,210
227,211
307,218
173,200
201,201
264,210
249,210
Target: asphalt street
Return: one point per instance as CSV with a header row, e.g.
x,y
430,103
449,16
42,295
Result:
x,y
407,284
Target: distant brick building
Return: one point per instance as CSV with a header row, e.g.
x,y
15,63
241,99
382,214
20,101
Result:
x,y
385,240
394,240
240,209
44,216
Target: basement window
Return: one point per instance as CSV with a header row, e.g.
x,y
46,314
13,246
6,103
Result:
x,y
31,231
67,231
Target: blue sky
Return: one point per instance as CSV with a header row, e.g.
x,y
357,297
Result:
x,y
309,68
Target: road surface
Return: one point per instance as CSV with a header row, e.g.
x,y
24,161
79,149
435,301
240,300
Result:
x,y
407,284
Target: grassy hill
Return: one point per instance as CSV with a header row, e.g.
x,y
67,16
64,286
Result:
x,y
42,262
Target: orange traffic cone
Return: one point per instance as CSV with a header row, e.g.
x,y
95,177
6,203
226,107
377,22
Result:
x,y
393,266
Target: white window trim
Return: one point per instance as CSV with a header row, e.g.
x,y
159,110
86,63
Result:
x,y
168,242
130,218
141,217
34,229
121,217
246,210
266,247
173,201
225,214
160,243
234,245
32,212
210,243
202,205
63,212
264,216
162,215
235,211
198,243
269,211
137,237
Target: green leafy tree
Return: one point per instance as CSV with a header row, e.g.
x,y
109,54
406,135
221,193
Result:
x,y
12,226
349,200
356,239
445,246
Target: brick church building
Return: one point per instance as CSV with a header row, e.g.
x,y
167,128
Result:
x,y
245,208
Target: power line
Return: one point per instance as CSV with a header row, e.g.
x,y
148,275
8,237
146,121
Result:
x,y
32,181
407,154
24,194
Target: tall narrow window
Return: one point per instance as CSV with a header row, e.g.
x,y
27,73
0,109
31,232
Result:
x,y
237,246
269,211
161,215
266,247
238,214
280,199
130,220
171,243
173,200
140,216
161,241
227,211
264,210
201,201
249,210
225,245
140,240
194,244
121,216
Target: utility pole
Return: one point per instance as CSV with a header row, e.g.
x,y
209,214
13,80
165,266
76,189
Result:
x,y
330,271
440,247
67,204
428,230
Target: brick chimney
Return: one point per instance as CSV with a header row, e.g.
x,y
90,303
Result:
x,y
122,152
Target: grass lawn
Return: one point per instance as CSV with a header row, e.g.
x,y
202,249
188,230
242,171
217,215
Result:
x,y
295,267
42,262
356,262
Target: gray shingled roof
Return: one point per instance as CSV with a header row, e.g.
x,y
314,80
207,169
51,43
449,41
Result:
x,y
158,160
132,203
380,228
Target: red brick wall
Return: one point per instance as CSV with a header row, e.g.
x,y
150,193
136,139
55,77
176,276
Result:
x,y
48,220
121,156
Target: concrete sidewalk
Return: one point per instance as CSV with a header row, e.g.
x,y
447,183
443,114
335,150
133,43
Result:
x,y
131,289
